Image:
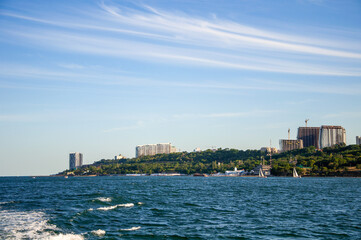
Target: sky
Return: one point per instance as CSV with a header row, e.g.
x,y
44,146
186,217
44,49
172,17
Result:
x,y
100,77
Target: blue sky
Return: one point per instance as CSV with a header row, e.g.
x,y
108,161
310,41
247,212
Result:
x,y
100,77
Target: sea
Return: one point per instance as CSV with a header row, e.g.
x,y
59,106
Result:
x,y
184,207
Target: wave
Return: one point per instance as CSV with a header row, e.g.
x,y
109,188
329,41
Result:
x,y
3,203
30,225
104,199
66,237
116,206
98,232
140,203
131,229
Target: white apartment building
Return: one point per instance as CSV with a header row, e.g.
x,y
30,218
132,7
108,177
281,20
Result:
x,y
153,149
332,135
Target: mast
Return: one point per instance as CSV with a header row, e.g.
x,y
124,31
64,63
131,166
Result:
x,y
270,152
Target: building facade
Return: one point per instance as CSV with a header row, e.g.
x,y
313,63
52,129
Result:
x,y
75,160
119,157
269,150
153,149
358,140
310,136
332,135
290,144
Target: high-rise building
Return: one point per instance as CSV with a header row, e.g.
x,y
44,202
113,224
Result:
x,y
75,160
290,144
309,135
152,149
358,140
332,135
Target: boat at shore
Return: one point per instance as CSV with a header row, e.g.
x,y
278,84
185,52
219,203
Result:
x,y
200,175
295,174
261,174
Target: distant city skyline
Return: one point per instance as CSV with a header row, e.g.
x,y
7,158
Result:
x,y
101,77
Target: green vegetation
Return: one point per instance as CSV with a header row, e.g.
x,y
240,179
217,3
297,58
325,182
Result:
x,y
339,160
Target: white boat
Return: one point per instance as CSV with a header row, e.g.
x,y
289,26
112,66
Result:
x,y
261,174
295,174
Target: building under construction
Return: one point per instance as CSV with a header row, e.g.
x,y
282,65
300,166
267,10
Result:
x,y
332,135
290,144
310,136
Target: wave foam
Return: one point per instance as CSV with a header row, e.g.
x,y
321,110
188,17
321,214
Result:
x,y
98,232
131,229
66,237
116,206
104,199
29,225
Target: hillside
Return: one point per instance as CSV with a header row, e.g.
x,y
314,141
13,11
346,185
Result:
x,y
335,161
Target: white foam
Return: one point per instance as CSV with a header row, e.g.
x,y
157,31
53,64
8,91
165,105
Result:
x,y
90,209
98,232
116,206
65,237
29,225
104,199
140,203
131,229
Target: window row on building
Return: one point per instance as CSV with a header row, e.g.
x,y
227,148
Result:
x,y
153,149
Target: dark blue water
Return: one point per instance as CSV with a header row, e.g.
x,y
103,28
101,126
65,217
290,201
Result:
x,y
180,208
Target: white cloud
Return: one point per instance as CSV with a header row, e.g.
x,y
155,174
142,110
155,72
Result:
x,y
175,38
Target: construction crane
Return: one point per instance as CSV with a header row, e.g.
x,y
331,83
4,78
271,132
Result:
x,y
306,121
288,134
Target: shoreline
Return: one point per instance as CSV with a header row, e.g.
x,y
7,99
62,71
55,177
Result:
x,y
124,175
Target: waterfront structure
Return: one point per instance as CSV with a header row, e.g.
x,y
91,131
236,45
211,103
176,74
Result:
x,y
332,135
358,140
152,149
290,144
119,157
235,172
269,150
310,136
75,160
266,169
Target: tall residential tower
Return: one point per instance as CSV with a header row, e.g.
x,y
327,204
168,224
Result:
x,y
332,135
309,135
75,160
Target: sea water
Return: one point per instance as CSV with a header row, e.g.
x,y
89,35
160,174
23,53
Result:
x,y
179,208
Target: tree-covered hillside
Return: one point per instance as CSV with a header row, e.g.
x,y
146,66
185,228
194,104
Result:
x,y
336,161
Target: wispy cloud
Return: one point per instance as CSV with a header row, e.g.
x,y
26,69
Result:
x,y
342,115
149,34
226,115
71,66
109,77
